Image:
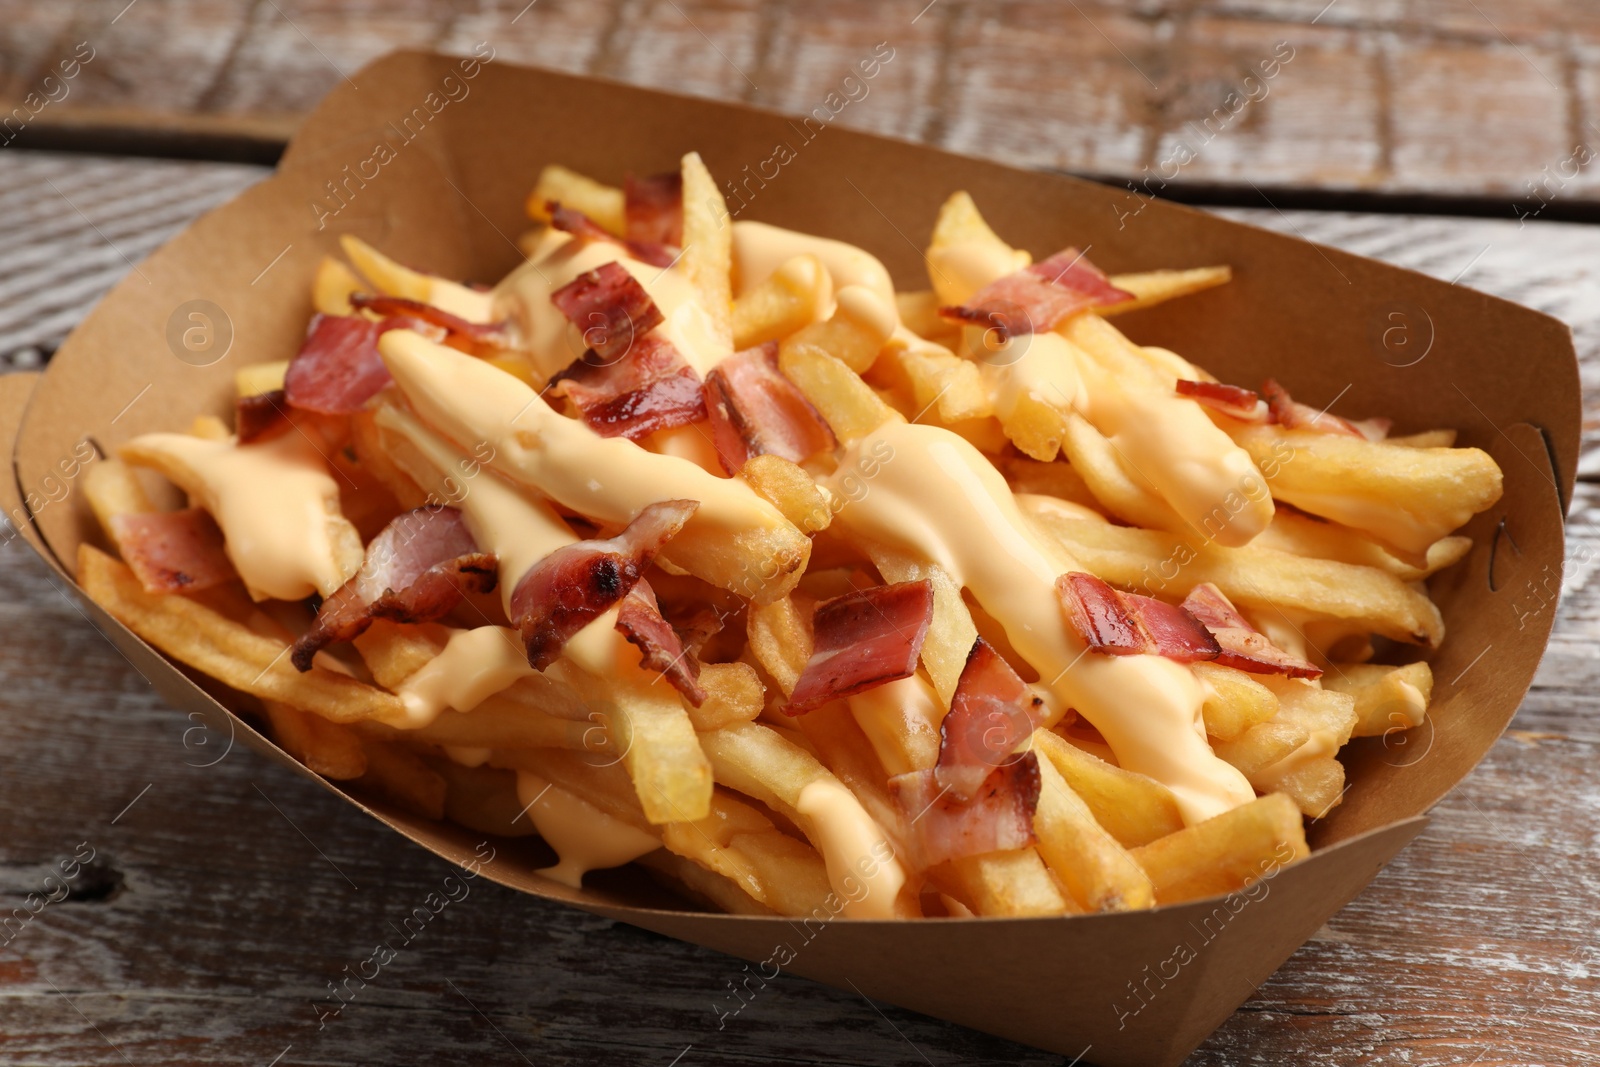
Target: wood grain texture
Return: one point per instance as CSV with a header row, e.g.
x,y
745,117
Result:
x,y
228,896
1478,98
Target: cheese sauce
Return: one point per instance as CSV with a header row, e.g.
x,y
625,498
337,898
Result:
x,y
609,479
940,498
959,270
1039,366
518,529
558,258
901,719
276,503
759,249
861,866
584,837
474,665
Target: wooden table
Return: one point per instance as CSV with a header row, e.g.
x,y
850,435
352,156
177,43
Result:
x,y
227,893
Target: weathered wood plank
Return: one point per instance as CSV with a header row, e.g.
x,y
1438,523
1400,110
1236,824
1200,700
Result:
x,y
1485,99
1477,945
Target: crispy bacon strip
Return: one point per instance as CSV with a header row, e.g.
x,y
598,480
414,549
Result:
x,y
574,585
754,410
1127,624
173,551
649,388
474,338
581,226
1297,416
1040,297
611,309
863,639
639,620
1242,645
261,416
1231,400
992,712
944,827
416,570
652,208
338,368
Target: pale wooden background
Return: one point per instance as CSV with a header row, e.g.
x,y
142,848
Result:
x,y
1472,98
218,915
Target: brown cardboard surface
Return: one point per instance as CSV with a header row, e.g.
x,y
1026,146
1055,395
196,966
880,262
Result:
x,y
1320,320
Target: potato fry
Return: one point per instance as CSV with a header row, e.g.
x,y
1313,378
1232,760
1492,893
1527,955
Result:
x,y
793,297
1013,883
1386,698
1087,861
1255,579
708,245
919,313
395,279
226,650
602,203
1059,479
940,381
1134,810
1262,746
790,489
332,288
1404,497
738,842
398,774
650,727
1153,287
1227,853
112,490
780,640
733,694
959,224
846,403
329,749
1306,535
1235,701
854,334
258,378
698,884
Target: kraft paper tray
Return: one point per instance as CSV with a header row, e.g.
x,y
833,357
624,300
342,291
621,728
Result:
x,y
460,145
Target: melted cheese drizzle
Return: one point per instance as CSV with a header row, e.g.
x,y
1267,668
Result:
x,y
1172,443
759,249
1038,366
519,530
896,712
609,479
938,497
274,502
960,269
851,843
558,258
584,837
473,666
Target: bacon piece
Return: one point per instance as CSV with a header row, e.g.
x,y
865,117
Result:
x,y
1231,400
1242,645
1127,624
650,388
992,712
173,551
1096,611
474,338
261,416
1040,297
576,584
639,620
581,226
754,410
415,570
943,827
863,639
610,307
1297,416
652,208
338,367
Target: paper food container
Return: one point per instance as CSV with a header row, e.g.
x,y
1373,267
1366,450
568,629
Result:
x,y
1141,988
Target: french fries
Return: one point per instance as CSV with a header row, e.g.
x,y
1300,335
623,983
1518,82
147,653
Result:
x,y
737,699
